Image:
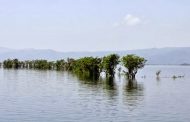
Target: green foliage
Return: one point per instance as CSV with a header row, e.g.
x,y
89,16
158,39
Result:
x,y
11,64
133,63
36,64
69,64
60,64
8,64
42,65
88,66
109,64
16,63
28,64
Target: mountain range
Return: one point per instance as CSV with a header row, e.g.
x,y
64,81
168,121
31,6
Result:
x,y
165,56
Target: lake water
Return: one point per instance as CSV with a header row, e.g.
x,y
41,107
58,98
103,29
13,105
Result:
x,y
51,96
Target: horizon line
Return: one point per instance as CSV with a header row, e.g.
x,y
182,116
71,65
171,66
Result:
x,y
43,49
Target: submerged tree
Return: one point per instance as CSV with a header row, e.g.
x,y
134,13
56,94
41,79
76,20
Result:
x,y
60,64
109,64
42,65
15,63
158,73
69,64
8,63
133,63
88,66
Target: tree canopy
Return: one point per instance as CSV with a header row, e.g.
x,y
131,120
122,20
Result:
x,y
89,66
133,63
109,64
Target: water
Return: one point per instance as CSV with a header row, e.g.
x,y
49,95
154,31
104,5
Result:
x,y
50,96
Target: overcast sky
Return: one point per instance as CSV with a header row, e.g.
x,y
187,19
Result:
x,y
94,25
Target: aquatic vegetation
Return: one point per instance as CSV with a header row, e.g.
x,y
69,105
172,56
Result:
x,y
158,73
88,66
85,66
132,63
109,64
179,76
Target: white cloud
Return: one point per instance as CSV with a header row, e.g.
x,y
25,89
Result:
x,y
129,20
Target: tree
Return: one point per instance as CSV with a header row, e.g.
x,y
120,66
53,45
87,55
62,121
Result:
x,y
51,65
158,73
133,63
69,64
8,63
41,65
16,63
88,66
60,64
109,64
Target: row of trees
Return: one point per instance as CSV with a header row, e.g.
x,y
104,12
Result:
x,y
87,66
38,64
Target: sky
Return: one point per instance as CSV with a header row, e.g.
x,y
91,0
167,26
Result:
x,y
94,25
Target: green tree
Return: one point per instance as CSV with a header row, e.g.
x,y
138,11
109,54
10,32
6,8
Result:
x,y
8,64
88,66
109,64
133,63
41,64
69,64
60,64
51,65
16,63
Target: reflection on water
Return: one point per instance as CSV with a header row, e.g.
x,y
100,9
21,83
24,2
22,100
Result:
x,y
110,88
51,96
134,93
85,79
158,79
109,83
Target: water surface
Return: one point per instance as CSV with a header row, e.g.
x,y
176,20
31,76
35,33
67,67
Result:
x,y
51,96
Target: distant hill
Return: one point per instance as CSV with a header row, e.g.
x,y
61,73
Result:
x,y
4,50
170,55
